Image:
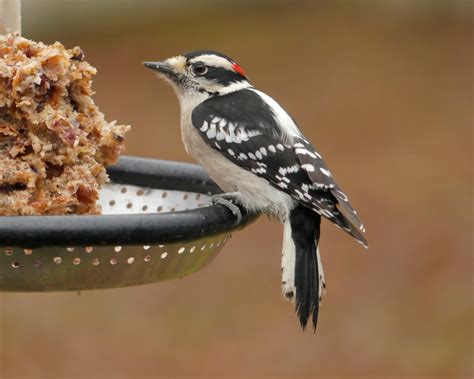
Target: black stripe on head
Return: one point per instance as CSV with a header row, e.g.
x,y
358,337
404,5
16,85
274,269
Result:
x,y
223,76
197,53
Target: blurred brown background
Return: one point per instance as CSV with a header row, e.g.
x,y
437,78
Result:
x,y
385,91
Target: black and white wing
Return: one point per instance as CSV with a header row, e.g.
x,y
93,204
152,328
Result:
x,y
245,129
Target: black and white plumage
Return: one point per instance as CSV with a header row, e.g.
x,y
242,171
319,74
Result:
x,y
255,152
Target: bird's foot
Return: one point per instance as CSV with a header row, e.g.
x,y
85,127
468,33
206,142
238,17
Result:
x,y
229,200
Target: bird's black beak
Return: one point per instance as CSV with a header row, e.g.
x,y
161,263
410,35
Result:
x,y
161,67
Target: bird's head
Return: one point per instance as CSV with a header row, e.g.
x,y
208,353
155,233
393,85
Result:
x,y
201,72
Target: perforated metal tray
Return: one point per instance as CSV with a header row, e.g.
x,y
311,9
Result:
x,y
156,225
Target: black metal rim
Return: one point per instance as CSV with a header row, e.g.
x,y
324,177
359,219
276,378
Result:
x,y
135,229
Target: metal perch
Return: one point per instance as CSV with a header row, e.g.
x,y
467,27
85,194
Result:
x,y
10,16
155,226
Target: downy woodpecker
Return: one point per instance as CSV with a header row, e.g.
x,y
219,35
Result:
x,y
252,148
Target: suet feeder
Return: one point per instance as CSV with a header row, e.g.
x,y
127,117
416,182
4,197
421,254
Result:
x,y
156,224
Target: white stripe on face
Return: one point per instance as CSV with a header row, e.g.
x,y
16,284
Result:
x,y
213,60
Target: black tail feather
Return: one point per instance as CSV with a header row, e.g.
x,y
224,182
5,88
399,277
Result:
x,y
305,227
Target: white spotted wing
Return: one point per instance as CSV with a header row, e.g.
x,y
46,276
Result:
x,y
244,129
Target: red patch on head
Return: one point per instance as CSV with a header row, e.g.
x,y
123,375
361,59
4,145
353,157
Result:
x,y
238,69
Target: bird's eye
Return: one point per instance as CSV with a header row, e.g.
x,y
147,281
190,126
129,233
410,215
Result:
x,y
199,69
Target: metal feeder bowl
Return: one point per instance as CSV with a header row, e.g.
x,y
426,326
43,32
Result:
x,y
156,225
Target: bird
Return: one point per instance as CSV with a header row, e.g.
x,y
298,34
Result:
x,y
255,152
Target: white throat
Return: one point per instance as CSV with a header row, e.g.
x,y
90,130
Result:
x,y
188,100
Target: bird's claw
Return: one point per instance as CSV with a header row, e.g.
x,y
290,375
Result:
x,y
228,201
